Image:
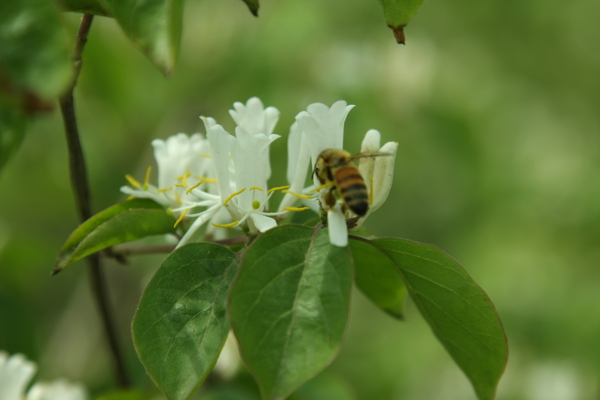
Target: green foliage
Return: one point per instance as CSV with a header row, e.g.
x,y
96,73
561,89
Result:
x,y
378,278
12,132
253,6
398,14
84,6
152,25
458,311
34,49
289,306
124,222
180,325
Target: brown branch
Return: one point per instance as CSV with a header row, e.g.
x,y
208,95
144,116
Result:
x,y
121,252
80,185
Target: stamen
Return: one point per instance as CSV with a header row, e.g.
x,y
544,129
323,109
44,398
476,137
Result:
x,y
231,225
193,187
323,186
279,188
232,196
302,196
184,178
183,185
132,181
256,188
296,208
371,191
130,197
164,190
205,155
181,217
208,180
178,198
147,177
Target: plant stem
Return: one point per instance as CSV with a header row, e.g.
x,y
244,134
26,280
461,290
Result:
x,y
80,185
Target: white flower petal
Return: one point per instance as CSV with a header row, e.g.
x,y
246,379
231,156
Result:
x,y
383,175
338,230
201,220
263,223
15,374
366,165
301,156
220,142
324,126
59,390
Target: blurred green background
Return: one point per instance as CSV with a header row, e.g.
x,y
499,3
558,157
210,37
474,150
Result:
x,y
496,109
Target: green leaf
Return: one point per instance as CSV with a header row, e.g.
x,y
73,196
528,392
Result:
x,y
378,278
398,14
180,325
84,6
121,223
289,305
253,6
12,132
458,311
34,48
152,25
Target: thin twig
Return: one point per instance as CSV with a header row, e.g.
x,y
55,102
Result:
x,y
121,252
80,185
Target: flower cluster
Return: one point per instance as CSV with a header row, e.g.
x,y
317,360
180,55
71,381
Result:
x,y
221,180
15,374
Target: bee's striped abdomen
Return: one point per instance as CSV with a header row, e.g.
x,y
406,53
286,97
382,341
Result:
x,y
353,189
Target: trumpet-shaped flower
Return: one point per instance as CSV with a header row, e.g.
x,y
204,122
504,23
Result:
x,y
182,163
241,167
15,374
320,128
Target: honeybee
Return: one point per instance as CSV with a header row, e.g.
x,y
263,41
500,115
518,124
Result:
x,y
335,167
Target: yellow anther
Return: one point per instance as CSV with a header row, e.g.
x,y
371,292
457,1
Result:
x,y
279,188
323,186
184,178
183,185
178,198
164,190
302,196
231,225
296,208
371,191
256,188
205,155
209,180
193,187
132,181
147,177
232,196
131,197
181,217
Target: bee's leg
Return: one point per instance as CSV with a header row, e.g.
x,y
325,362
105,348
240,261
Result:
x,y
330,198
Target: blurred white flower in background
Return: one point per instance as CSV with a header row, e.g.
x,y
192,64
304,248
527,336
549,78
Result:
x,y
16,372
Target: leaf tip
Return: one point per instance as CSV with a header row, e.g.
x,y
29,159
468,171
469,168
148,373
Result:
x,y
399,33
55,271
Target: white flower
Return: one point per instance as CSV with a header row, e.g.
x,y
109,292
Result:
x,y
320,128
15,374
241,167
378,172
182,163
